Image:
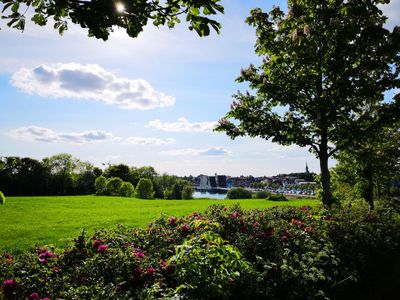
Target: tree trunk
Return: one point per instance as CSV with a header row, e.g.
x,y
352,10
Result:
x,y
369,192
325,180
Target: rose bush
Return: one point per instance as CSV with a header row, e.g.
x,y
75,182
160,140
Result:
x,y
222,253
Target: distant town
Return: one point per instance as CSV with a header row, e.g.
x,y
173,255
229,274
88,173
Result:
x,y
293,183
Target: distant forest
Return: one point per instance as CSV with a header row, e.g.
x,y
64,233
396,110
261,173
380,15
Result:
x,y
63,174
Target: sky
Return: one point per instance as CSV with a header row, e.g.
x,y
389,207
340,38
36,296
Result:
x,y
146,101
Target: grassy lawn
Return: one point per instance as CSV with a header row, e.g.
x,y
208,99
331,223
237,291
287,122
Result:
x,y
26,221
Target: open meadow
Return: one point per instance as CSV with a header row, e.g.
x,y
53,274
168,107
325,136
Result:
x,y
29,221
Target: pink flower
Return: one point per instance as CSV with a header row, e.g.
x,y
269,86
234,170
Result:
x,y
256,224
236,214
284,238
139,254
102,248
56,268
184,229
150,271
97,243
172,220
9,284
137,272
45,255
34,296
294,221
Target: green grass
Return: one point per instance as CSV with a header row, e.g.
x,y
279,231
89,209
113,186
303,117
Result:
x,y
29,221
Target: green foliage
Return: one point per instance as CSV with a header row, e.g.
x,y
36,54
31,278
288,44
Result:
x,y
2,198
113,186
100,185
238,193
329,64
222,253
187,192
261,195
127,190
207,265
277,197
144,189
178,187
100,18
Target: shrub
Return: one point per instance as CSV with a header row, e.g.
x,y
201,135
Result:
x,y
100,185
144,189
113,186
277,253
277,197
187,192
238,193
2,198
127,190
261,194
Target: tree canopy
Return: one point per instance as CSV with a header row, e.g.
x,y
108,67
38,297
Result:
x,y
326,65
101,16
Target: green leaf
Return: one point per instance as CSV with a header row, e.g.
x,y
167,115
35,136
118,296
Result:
x,y
15,7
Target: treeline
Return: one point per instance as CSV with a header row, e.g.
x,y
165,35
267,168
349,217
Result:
x,y
63,174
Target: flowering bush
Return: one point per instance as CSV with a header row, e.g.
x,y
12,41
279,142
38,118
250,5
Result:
x,y
222,253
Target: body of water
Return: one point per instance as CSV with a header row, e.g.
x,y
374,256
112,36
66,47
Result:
x,y
198,194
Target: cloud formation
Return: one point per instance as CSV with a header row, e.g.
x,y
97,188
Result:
x,y
40,134
213,151
149,141
90,82
182,125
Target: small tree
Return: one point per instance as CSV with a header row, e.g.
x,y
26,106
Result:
x,y
2,198
127,190
113,186
100,185
187,192
144,189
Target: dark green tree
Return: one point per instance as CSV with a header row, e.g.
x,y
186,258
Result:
x,y
100,185
113,186
127,190
121,171
100,16
371,163
326,65
144,189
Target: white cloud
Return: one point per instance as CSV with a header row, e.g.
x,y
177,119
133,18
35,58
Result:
x,y
40,134
89,82
213,151
149,141
182,125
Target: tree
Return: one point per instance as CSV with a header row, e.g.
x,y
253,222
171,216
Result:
x,y
122,171
113,186
61,167
144,189
100,185
371,163
127,190
326,65
100,16
187,192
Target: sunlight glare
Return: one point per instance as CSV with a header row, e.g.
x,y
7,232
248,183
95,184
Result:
x,y
120,7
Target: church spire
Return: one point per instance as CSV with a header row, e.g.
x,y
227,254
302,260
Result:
x,y
307,171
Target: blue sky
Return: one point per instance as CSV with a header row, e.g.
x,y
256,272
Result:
x,y
146,101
